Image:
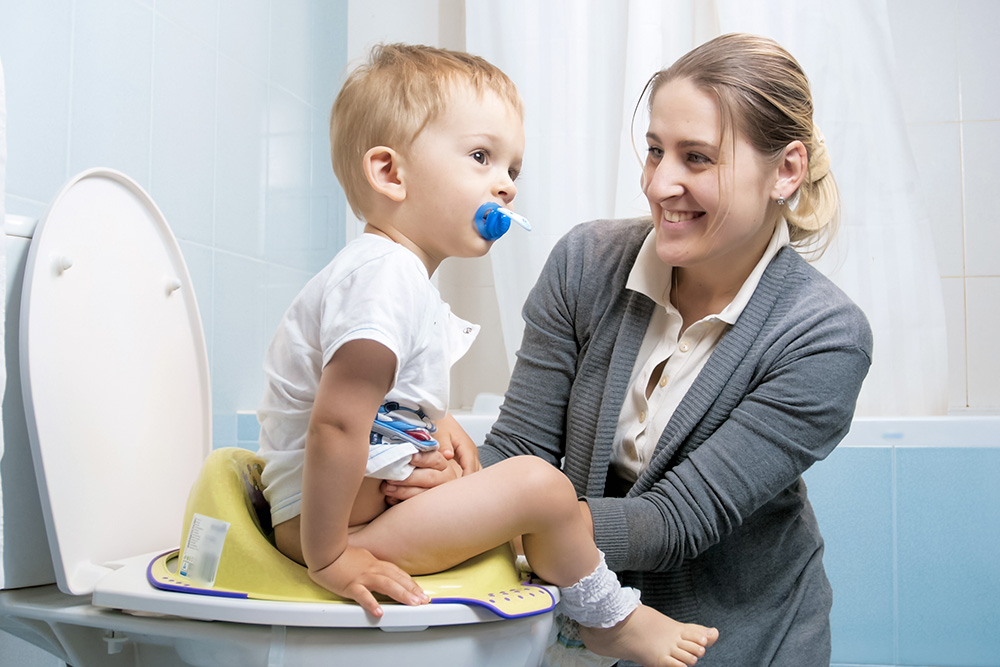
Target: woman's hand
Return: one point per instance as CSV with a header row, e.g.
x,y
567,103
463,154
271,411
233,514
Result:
x,y
356,574
432,469
457,456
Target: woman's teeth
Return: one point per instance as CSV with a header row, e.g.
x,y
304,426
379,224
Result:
x,y
680,216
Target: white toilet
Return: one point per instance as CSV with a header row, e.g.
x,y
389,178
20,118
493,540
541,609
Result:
x,y
116,392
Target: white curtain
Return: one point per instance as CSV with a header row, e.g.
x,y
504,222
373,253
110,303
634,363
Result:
x,y
580,66
3,278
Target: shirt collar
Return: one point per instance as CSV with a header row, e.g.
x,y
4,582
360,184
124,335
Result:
x,y
651,277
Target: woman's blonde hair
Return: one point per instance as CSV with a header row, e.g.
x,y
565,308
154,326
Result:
x,y
388,100
764,95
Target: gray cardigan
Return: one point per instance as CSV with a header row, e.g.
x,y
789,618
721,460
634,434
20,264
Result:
x,y
718,530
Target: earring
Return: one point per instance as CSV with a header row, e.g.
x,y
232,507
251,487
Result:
x,y
780,201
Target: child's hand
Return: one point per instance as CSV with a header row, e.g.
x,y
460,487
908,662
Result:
x,y
357,573
456,443
432,469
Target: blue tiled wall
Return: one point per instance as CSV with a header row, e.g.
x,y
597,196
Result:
x,y
218,108
913,553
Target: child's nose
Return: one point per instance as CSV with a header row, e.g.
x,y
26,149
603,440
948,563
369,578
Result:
x,y
506,190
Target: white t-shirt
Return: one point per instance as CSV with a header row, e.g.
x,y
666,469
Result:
x,y
374,289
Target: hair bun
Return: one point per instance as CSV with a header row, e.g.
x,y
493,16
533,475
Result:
x,y
819,157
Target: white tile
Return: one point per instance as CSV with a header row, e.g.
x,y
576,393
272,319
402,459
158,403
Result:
x,y
239,339
953,291
289,230
937,153
200,18
290,65
183,134
112,66
281,285
241,160
200,264
35,52
244,32
925,37
15,205
327,230
978,54
328,43
983,299
289,142
323,178
981,171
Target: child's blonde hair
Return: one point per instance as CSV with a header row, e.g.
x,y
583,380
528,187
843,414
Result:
x,y
388,100
764,95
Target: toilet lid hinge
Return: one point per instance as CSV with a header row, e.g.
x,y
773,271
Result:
x,y
115,640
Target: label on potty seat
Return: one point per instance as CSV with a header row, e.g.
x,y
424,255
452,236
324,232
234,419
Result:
x,y
203,549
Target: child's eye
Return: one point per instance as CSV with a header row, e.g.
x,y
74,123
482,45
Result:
x,y
513,173
480,157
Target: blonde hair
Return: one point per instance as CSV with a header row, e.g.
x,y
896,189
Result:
x,y
764,95
391,98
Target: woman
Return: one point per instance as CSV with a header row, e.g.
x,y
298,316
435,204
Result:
x,y
689,368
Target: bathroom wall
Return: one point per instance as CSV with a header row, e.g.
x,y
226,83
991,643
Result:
x,y
945,55
945,50
218,108
908,510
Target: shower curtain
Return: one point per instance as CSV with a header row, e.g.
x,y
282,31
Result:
x,y
3,275
580,66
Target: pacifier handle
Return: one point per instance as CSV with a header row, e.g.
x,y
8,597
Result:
x,y
493,221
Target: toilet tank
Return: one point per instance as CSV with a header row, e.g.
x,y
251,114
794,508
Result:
x,y
24,550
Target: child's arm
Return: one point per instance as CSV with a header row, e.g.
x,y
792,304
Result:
x,y
352,386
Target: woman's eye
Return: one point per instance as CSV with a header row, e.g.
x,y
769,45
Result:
x,y
480,157
698,158
655,153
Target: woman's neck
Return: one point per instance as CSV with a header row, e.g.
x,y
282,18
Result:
x,y
700,291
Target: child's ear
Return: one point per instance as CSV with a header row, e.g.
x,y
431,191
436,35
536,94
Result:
x,y
383,169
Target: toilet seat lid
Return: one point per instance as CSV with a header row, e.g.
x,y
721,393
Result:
x,y
115,377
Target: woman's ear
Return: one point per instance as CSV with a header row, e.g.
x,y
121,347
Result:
x,y
792,169
384,171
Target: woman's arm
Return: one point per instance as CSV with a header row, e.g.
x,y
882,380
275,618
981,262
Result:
x,y
792,419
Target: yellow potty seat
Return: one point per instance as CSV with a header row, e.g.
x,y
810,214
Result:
x,y
241,561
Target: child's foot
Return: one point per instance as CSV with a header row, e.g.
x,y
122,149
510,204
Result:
x,y
649,638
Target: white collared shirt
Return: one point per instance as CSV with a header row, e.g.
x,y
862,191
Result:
x,y
642,419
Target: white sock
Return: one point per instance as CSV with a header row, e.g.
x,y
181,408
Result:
x,y
598,600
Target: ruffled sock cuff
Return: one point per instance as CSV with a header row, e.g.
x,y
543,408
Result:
x,y
598,600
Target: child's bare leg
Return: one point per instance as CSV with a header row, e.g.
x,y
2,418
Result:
x,y
368,504
526,496
455,521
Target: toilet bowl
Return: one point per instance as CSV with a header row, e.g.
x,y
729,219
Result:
x,y
117,417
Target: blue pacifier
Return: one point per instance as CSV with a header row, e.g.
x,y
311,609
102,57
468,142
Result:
x,y
493,221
